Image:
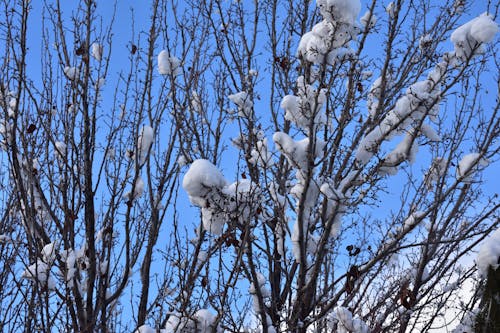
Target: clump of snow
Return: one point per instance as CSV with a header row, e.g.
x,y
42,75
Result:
x,y
5,239
259,288
72,73
195,102
200,179
149,329
72,258
168,65
412,220
489,254
100,83
430,133
469,165
181,161
435,172
420,100
96,51
244,103
326,39
49,252
40,272
144,143
345,322
405,150
375,92
220,202
344,11
468,323
391,9
297,151
137,192
260,154
425,41
484,28
60,149
205,320
368,20
201,321
469,37
334,206
305,108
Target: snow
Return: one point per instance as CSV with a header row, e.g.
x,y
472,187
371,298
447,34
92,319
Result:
x,y
260,155
469,165
334,32
412,220
149,329
346,323
297,151
205,319
100,83
40,272
470,36
5,239
420,100
103,267
200,179
489,254
435,172
305,109
484,29
60,149
367,21
144,143
181,161
138,190
202,321
430,133
168,65
71,73
174,324
325,40
405,150
345,11
96,51
49,252
195,102
425,41
243,101
253,290
202,256
391,9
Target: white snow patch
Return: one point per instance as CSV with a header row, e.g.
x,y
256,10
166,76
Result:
x,y
168,65
469,165
71,73
472,34
96,51
368,21
489,254
144,143
345,11
60,149
138,190
200,179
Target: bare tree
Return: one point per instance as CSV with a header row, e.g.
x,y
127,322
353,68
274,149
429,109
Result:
x,y
333,162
